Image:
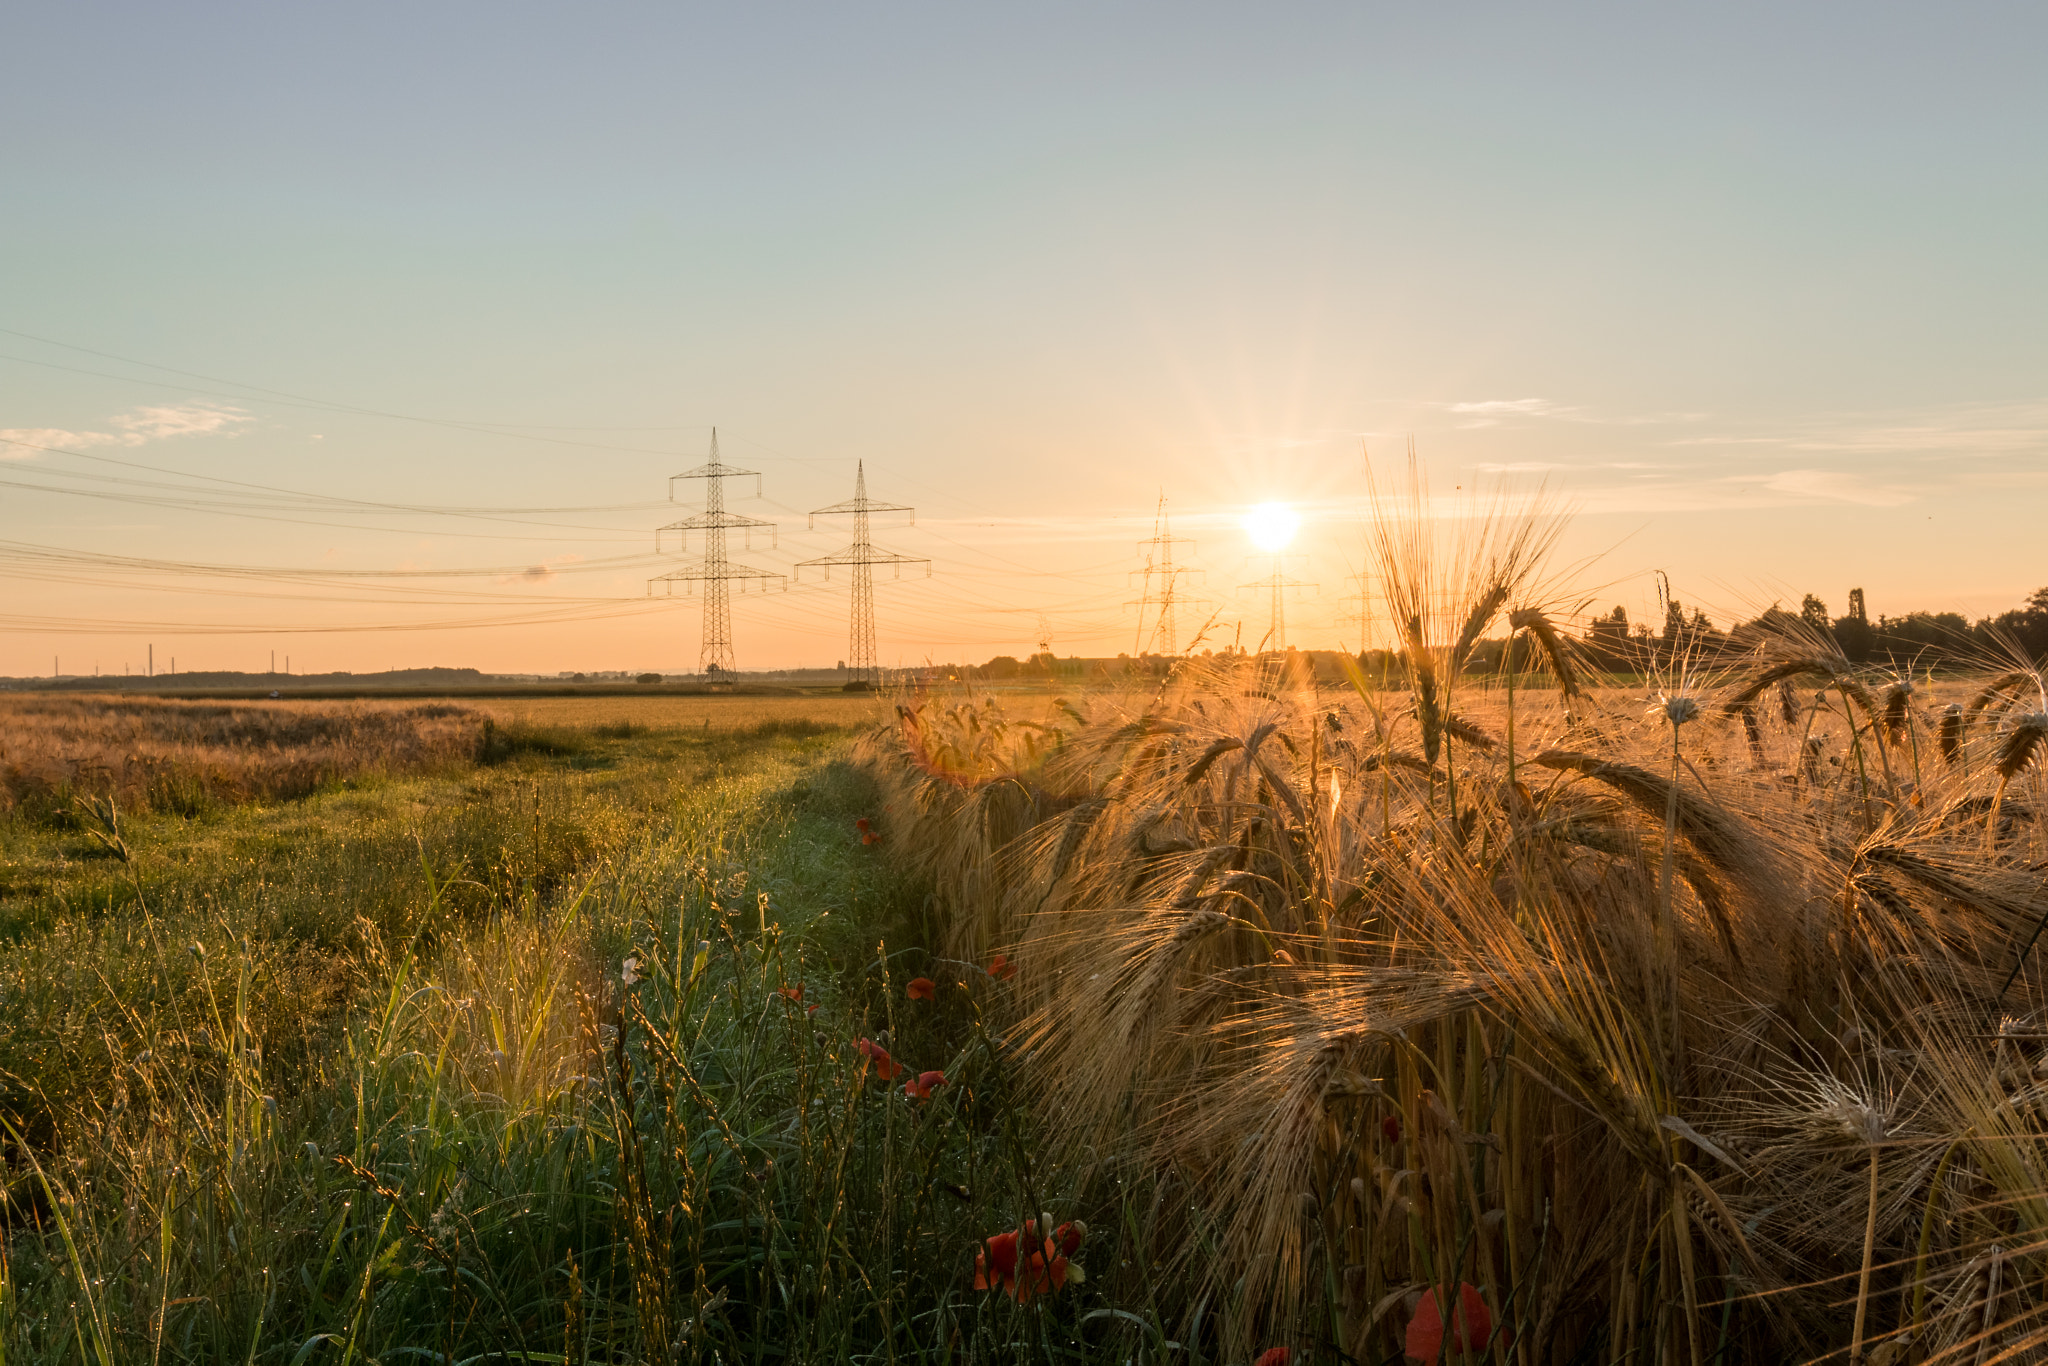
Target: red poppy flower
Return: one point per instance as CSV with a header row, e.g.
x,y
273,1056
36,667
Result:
x,y
996,1268
1001,968
1390,1128
861,825
886,1067
795,993
922,989
1471,1325
1273,1356
921,1086
870,837
1042,1271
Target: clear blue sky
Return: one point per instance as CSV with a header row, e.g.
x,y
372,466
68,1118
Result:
x,y
1760,288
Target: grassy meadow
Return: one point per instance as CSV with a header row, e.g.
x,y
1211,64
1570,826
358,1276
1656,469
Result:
x,y
583,1044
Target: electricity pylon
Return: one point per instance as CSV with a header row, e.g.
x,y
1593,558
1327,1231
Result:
x,y
1360,604
1278,584
862,665
1159,564
715,571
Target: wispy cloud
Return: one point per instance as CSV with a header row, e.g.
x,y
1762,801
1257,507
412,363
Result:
x,y
1985,431
1492,412
543,572
1837,486
136,428
23,443
1510,407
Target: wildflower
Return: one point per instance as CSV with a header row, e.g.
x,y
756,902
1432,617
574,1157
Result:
x,y
996,1268
861,824
1046,1268
1273,1356
1390,1128
629,972
795,993
922,989
1471,1325
870,838
921,1086
867,831
886,1067
1001,968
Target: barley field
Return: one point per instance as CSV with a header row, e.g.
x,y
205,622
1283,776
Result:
x,y
1527,1019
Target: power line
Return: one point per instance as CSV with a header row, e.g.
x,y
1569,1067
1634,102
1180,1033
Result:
x,y
298,499
292,400
53,625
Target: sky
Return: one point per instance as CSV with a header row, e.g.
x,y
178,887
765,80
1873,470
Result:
x,y
370,335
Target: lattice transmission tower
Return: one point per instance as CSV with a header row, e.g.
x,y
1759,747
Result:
x,y
861,661
714,570
1160,568
1278,585
1359,610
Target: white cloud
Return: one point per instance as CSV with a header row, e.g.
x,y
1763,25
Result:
x,y
1509,407
1837,486
135,428
154,424
21,443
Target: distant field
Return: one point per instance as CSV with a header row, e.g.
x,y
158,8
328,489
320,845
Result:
x,y
177,755
686,713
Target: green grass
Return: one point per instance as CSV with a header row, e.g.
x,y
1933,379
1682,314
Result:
x,y
357,1077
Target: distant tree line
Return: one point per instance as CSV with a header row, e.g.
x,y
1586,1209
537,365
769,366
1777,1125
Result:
x,y
1614,643
1923,638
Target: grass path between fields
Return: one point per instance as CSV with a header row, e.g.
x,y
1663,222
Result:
x,y
367,1077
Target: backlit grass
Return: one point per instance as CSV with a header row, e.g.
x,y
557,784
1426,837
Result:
x,y
368,1076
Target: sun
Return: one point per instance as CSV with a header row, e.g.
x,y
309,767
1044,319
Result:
x,y
1271,526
